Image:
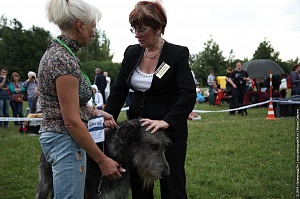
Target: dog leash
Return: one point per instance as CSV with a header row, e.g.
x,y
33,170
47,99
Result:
x,y
99,188
101,179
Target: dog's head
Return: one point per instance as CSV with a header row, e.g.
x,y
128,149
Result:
x,y
146,151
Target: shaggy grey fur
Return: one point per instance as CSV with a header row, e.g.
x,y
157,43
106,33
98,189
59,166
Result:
x,y
130,146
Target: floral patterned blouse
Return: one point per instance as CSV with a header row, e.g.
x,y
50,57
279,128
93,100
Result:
x,y
57,61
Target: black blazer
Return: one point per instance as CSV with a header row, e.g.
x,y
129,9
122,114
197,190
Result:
x,y
170,98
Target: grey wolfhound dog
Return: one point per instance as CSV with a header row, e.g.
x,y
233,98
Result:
x,y
130,146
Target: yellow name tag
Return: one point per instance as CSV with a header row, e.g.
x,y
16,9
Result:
x,y
161,70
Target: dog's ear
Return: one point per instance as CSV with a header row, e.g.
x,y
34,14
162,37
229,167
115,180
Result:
x,y
129,128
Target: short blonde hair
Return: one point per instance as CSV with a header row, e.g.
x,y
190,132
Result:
x,y
64,13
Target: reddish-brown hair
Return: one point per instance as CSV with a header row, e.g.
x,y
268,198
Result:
x,y
15,74
295,66
150,14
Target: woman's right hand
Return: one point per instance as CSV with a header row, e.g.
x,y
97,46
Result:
x,y
111,169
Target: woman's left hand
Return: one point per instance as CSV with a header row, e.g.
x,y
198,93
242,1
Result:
x,y
154,124
108,119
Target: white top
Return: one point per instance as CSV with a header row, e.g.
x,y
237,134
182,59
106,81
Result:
x,y
210,79
283,84
141,81
98,98
107,88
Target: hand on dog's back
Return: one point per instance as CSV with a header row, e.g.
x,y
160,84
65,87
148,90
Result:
x,y
154,125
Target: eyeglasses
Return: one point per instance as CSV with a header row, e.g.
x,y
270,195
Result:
x,y
139,31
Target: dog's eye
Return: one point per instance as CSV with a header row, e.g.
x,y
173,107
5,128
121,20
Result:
x,y
155,147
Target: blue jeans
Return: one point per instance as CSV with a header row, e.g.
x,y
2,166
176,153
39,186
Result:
x,y
68,162
30,103
17,109
3,111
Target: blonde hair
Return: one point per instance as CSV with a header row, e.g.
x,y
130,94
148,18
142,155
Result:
x,y
64,13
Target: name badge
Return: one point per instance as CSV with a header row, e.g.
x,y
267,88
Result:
x,y
161,70
96,129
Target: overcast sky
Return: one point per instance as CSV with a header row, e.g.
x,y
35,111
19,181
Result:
x,y
233,24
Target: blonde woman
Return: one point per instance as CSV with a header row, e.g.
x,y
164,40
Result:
x,y
64,93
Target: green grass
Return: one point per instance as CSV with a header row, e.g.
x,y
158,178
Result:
x,y
228,157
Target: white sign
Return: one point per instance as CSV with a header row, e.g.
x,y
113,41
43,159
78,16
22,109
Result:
x,y
96,129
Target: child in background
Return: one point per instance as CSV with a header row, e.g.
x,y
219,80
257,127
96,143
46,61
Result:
x,y
200,98
98,99
213,94
36,105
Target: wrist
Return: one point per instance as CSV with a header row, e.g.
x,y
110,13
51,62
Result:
x,y
94,114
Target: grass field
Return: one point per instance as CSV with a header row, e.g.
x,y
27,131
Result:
x,y
228,157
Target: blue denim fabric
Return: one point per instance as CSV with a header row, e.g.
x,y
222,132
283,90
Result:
x,y
4,110
68,162
30,103
17,109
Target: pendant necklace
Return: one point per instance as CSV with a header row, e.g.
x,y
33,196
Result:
x,y
151,57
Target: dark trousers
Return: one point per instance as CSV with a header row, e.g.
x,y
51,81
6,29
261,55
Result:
x,y
4,111
238,95
103,97
17,109
172,186
128,101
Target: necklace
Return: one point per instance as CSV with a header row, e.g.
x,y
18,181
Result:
x,y
151,57
143,74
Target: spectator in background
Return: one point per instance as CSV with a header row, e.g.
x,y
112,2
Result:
x,y
259,83
283,86
30,85
211,79
238,79
276,80
4,89
200,98
296,79
36,104
15,87
100,81
228,85
128,101
107,88
97,99
213,94
249,85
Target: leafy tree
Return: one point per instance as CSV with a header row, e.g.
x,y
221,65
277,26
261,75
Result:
x,y
21,50
231,58
97,55
97,50
266,51
210,58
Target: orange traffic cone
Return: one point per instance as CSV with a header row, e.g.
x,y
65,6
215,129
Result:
x,y
271,115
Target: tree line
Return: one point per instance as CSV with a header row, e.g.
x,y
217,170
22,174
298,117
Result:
x,y
21,51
